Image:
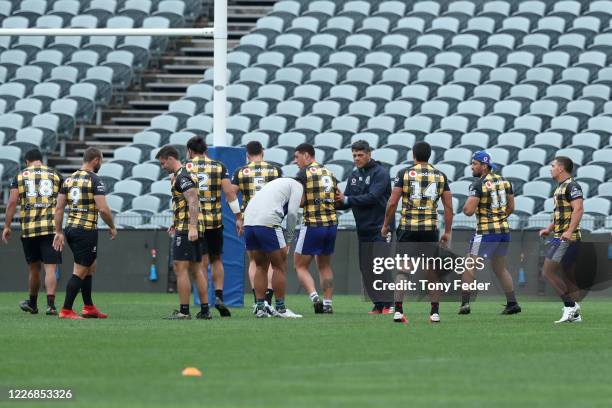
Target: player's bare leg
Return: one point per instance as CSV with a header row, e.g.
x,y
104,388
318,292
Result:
x,y
218,276
327,281
565,288
252,268
466,277
507,284
301,264
260,281
201,283
50,288
183,286
434,296
30,305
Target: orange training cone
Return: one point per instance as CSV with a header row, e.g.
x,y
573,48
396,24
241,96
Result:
x,y
192,372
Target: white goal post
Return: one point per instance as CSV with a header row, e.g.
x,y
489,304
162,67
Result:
x,y
218,32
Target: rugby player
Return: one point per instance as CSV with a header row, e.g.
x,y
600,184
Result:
x,y
249,180
35,190
420,187
491,198
84,193
266,243
188,231
317,237
213,179
565,242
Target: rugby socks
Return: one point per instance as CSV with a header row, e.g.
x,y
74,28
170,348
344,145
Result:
x,y
51,301
511,298
33,301
435,308
567,301
260,303
204,308
465,298
314,296
327,302
86,291
280,304
399,307
268,296
72,290
219,294
184,309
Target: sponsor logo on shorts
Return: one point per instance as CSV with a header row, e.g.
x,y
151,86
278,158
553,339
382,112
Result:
x,y
94,250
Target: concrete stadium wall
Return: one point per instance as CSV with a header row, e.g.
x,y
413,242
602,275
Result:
x,y
123,264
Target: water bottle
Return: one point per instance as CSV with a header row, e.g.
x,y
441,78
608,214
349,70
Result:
x,y
153,268
522,280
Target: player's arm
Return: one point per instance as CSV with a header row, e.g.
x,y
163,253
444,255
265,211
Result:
x,y
447,202
577,213
193,201
392,204
509,204
106,214
11,208
58,240
295,200
471,204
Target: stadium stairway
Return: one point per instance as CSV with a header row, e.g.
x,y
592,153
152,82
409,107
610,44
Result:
x,y
162,83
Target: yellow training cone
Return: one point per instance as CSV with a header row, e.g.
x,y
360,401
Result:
x,y
192,372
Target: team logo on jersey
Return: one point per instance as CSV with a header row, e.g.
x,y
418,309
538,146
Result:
x,y
246,171
412,173
367,180
26,173
353,181
313,170
189,166
68,180
489,184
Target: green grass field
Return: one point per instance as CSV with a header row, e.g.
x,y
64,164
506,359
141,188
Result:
x,y
349,359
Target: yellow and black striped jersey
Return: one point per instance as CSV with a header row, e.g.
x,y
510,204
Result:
x,y
183,180
252,177
422,186
564,194
319,190
80,189
209,173
38,187
493,191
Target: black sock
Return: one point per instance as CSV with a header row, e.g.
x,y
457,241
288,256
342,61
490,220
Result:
x,y
219,294
465,298
399,307
268,296
204,308
184,309
86,291
567,301
51,301
72,290
435,307
33,301
511,298
254,296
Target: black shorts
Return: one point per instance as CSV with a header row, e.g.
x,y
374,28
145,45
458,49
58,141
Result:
x,y
422,242
185,250
40,249
84,245
213,242
417,236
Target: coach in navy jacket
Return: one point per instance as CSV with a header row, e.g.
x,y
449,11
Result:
x,y
367,191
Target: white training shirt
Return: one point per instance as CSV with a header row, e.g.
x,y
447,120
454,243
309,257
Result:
x,y
266,208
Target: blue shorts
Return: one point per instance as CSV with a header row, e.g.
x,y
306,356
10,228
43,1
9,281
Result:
x,y
489,245
563,252
316,240
266,239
